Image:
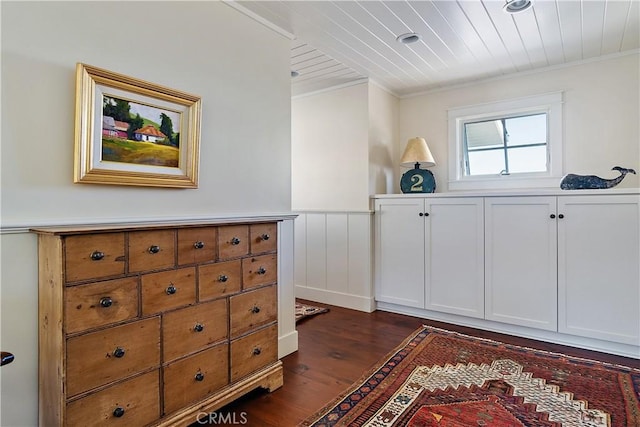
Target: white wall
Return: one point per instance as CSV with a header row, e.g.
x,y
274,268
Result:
x,y
342,151
238,67
383,138
601,110
330,150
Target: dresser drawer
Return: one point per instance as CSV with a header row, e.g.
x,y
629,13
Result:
x,y
100,357
135,402
151,250
233,241
259,270
253,352
98,304
168,289
253,309
219,279
93,256
263,238
191,329
197,245
195,377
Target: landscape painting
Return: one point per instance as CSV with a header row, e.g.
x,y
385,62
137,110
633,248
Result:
x,y
138,133
133,132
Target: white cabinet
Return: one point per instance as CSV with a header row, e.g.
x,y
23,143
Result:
x,y
455,256
598,267
520,261
560,267
429,253
400,251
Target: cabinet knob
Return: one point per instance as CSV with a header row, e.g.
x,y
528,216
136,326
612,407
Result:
x,y
118,412
235,241
198,245
198,328
106,302
420,214
199,376
424,214
154,249
261,270
265,236
255,309
118,352
222,278
97,255
171,289
257,351
561,216
552,216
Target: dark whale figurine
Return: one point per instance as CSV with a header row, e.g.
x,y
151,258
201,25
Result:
x,y
583,182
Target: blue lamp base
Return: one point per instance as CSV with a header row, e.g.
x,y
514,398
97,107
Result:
x,y
418,180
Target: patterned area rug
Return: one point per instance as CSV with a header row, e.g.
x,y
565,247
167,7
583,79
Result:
x,y
445,379
304,310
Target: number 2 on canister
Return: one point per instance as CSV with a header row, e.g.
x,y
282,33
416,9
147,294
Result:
x,y
417,186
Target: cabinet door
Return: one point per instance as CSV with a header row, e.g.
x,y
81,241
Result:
x,y
520,261
455,256
599,271
400,251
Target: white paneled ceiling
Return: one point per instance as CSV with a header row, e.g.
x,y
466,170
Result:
x,y
337,42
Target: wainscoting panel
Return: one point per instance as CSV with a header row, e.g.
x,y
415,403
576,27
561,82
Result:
x,y
333,258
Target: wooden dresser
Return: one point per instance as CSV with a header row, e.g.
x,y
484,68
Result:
x,y
154,325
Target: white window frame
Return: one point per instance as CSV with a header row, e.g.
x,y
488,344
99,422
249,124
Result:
x,y
550,103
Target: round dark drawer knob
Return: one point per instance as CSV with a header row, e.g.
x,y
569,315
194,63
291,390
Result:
x,y
154,249
265,236
198,245
222,278
257,351
235,241
198,328
261,270
420,214
561,216
552,216
106,302
255,309
199,376
118,412
118,352
97,255
171,289
6,358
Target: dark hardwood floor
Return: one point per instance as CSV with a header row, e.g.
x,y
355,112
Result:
x,y
335,350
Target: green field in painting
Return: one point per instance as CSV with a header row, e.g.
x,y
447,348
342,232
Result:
x,y
139,152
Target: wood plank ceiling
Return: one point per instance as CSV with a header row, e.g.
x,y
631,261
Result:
x,y
338,42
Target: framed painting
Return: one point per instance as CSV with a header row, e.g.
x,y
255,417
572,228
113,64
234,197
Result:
x,y
132,132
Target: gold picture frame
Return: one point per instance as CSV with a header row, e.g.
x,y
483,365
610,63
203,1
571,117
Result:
x,y
132,132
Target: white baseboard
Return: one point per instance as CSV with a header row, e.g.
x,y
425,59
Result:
x,y
354,302
625,350
287,344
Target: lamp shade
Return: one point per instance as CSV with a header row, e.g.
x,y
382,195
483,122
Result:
x,y
417,151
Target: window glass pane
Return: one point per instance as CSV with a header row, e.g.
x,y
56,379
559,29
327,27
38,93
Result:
x,y
528,159
526,130
486,162
484,134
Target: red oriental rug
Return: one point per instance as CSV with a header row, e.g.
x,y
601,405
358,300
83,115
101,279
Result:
x,y
438,378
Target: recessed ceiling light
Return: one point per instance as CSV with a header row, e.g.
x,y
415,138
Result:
x,y
408,38
294,73
515,6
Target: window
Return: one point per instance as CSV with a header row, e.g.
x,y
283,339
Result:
x,y
508,144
